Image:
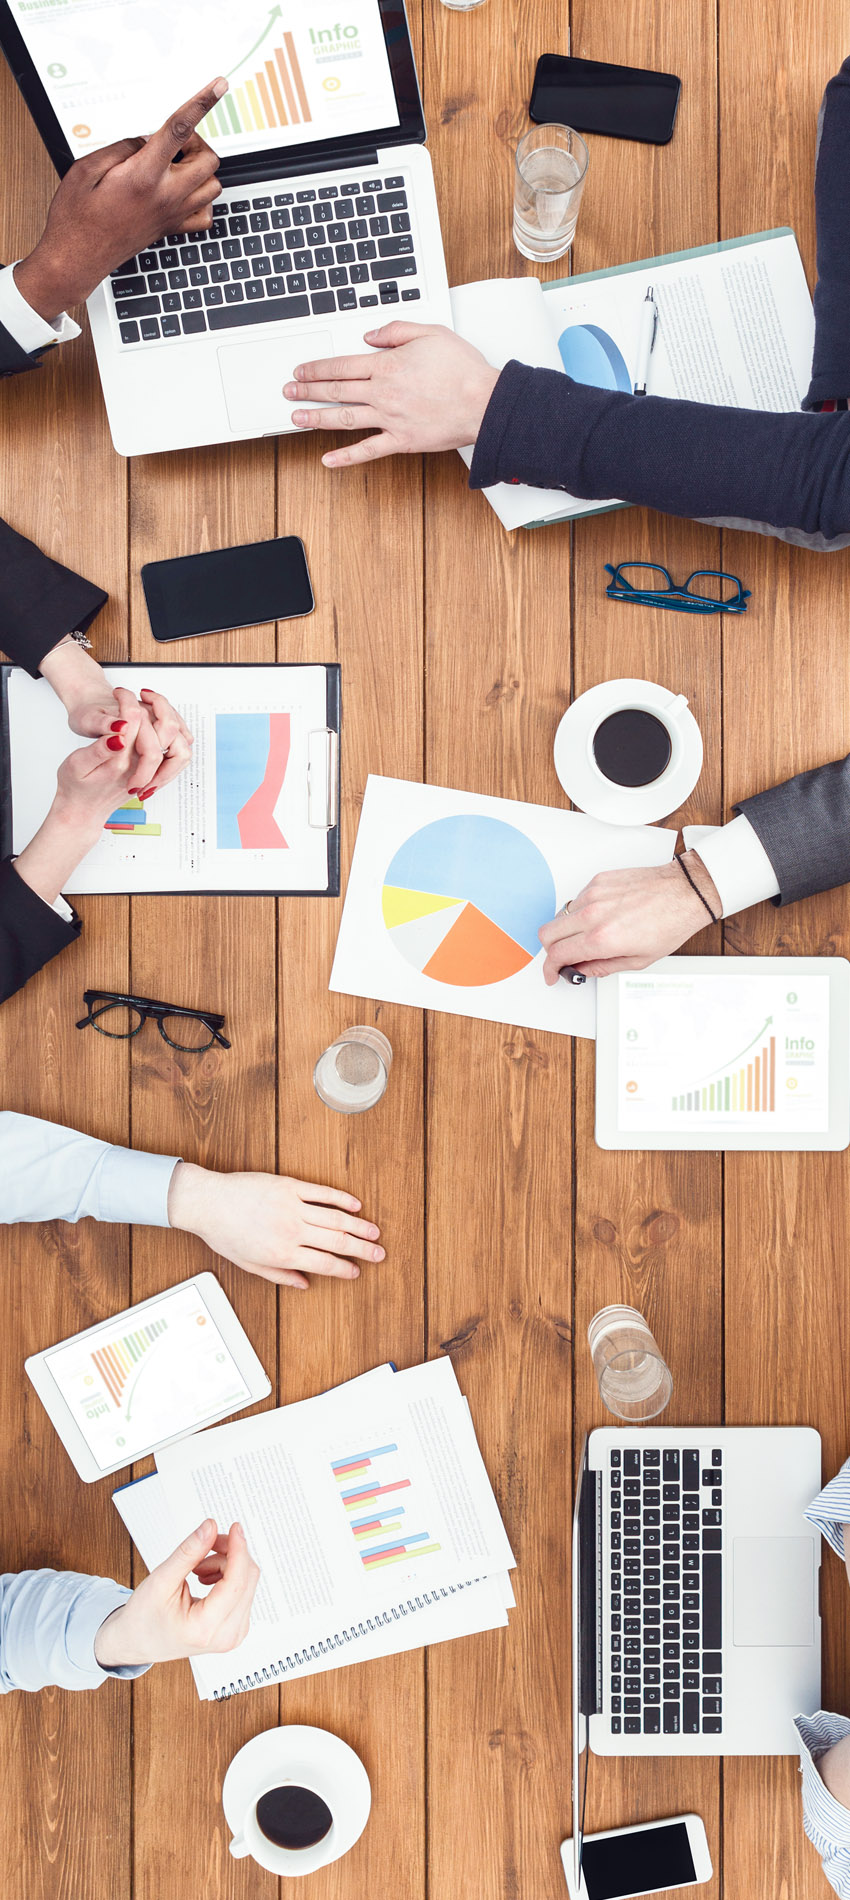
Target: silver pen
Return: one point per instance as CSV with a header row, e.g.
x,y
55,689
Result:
x,y
646,341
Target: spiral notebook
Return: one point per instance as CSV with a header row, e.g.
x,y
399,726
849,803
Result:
x,y
368,1510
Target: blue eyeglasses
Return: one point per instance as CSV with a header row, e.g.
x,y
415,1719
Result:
x,y
725,593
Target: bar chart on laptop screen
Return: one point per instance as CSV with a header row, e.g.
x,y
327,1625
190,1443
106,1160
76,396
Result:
x,y
295,73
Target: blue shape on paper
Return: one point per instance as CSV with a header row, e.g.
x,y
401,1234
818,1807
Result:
x,y
590,355
241,755
487,863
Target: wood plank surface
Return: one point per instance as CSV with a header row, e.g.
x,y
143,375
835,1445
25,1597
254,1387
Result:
x,y
505,1226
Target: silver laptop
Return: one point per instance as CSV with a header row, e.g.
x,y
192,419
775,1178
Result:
x,y
327,225
696,1619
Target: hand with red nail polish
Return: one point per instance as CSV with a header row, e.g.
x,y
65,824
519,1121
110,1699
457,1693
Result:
x,y
90,784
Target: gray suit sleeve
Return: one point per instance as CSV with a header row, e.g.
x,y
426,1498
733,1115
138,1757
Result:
x,y
804,826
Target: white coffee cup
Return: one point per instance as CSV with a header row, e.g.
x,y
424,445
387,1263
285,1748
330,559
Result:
x,y
668,714
284,1860
296,1757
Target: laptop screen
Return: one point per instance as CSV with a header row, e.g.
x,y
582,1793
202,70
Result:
x,y
301,73
585,1647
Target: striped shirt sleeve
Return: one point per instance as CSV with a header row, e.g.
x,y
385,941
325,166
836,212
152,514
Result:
x,y
831,1509
826,1820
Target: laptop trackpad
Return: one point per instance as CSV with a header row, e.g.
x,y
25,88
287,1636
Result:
x,y
253,375
773,1592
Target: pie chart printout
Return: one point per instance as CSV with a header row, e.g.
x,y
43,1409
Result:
x,y
464,898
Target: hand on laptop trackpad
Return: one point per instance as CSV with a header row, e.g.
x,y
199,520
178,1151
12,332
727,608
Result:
x,y
773,1592
253,375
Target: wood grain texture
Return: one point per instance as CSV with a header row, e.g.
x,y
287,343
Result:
x,y
505,1226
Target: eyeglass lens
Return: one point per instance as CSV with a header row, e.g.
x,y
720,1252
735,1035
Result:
x,y
118,1020
186,1032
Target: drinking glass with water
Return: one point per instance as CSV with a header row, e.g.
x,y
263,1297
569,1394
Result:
x,y
551,167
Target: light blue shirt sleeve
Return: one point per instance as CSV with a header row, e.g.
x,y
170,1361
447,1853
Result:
x,y
826,1821
53,1173
48,1622
831,1509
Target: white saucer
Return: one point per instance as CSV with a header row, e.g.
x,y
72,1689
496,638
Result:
x,y
618,804
323,1762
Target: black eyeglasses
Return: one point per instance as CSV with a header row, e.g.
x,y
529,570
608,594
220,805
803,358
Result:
x,y
721,593
192,1030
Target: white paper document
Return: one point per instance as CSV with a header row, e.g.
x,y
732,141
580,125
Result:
x,y
735,328
368,1511
447,893
723,1052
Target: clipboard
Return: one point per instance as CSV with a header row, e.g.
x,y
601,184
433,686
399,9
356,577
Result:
x,y
256,811
722,1053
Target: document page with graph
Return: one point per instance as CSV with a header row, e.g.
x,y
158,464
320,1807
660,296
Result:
x,y
352,1506
251,812
296,73
723,1051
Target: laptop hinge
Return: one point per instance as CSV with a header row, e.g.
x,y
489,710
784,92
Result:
x,y
248,170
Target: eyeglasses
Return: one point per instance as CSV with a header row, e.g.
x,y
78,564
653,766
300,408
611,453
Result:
x,y
192,1030
723,594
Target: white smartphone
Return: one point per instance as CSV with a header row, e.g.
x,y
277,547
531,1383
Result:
x,y
135,1382
627,1861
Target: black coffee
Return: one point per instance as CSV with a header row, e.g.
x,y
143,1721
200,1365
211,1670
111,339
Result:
x,y
632,747
293,1817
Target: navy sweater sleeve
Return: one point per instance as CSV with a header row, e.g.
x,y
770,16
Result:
x,y
684,458
804,826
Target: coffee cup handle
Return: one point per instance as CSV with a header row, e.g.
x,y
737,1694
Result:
x,y
239,1847
675,706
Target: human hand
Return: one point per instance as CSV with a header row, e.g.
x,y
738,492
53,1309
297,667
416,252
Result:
x,y
162,1620
119,200
170,733
426,389
623,920
90,784
83,688
271,1225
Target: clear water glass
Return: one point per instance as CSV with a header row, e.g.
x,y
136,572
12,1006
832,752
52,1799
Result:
x,y
462,6
549,174
634,1381
353,1073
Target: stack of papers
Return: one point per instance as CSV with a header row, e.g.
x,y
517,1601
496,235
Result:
x,y
368,1510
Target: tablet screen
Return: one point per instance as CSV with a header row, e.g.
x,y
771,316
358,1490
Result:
x,y
724,1052
138,1381
296,73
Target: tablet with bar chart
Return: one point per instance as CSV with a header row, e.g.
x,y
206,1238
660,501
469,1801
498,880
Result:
x,y
135,1382
725,1052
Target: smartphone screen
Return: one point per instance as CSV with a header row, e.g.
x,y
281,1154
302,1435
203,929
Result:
x,y
229,587
621,102
644,1860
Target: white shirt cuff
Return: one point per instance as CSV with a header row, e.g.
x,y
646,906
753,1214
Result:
x,y
739,865
24,324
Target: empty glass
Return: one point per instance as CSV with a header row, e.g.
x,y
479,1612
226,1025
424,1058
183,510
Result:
x,y
634,1382
551,166
352,1074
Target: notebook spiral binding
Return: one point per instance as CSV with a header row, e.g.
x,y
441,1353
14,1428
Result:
x,y
330,1645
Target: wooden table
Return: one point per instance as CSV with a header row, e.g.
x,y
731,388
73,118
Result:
x,y
505,1226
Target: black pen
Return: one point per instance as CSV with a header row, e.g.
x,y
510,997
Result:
x,y
572,975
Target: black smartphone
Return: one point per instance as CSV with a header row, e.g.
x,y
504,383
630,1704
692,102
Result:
x,y
620,102
229,587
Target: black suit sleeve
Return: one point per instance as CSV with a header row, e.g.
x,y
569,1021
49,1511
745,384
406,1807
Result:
x,y
40,601
31,932
13,357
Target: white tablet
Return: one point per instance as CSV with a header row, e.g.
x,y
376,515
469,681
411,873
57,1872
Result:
x,y
158,1371
725,1052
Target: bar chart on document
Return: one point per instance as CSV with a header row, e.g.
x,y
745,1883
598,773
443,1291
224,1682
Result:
x,y
379,1498
295,73
165,1372
724,1051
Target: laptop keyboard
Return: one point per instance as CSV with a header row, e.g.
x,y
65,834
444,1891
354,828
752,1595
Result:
x,y
665,1650
307,252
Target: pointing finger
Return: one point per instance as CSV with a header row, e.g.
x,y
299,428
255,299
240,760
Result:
x,y
163,146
